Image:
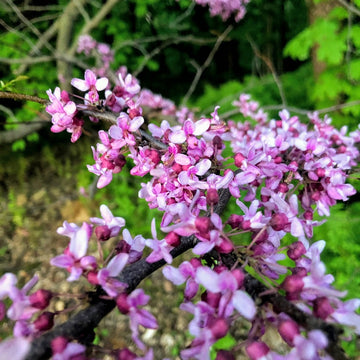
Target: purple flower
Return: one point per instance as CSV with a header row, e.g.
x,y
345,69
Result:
x,y
106,276
113,223
161,250
90,82
15,348
74,259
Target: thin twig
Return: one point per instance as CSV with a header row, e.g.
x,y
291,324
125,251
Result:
x,y
270,65
207,62
350,7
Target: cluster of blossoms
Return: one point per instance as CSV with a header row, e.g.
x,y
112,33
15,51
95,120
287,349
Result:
x,y
282,172
226,8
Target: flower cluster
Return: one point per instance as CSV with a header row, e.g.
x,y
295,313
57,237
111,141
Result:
x,y
226,8
282,172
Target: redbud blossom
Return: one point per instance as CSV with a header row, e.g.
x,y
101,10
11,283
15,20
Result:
x,y
45,321
322,308
293,284
257,350
212,197
173,239
122,304
279,221
224,355
288,329
203,224
235,221
125,354
239,158
58,344
219,328
296,250
40,299
103,232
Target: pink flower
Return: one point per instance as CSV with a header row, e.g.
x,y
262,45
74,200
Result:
x,y
74,259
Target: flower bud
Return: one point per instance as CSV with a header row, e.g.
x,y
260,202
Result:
x,y
293,284
92,278
120,160
308,215
103,232
296,250
126,354
299,270
122,247
122,304
45,321
225,247
195,262
173,239
257,350
219,328
203,224
235,221
283,188
212,197
40,299
212,299
224,355
279,221
2,310
239,158
239,276
217,142
288,329
58,344
322,308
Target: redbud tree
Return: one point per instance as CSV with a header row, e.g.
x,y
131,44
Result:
x,y
278,173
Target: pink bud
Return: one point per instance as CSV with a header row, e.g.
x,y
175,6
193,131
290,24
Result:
x,y
125,354
239,158
278,160
45,321
308,215
219,328
92,278
293,284
279,221
320,172
212,197
58,344
224,355
2,310
225,247
118,91
212,299
296,250
173,239
64,96
288,329
40,299
235,221
102,232
246,225
239,276
122,304
257,350
122,247
322,308
133,113
299,270
217,142
120,160
203,224
195,262
283,188
111,100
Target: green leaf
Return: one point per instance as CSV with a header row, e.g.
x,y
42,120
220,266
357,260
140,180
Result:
x,y
18,145
355,35
354,69
300,46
